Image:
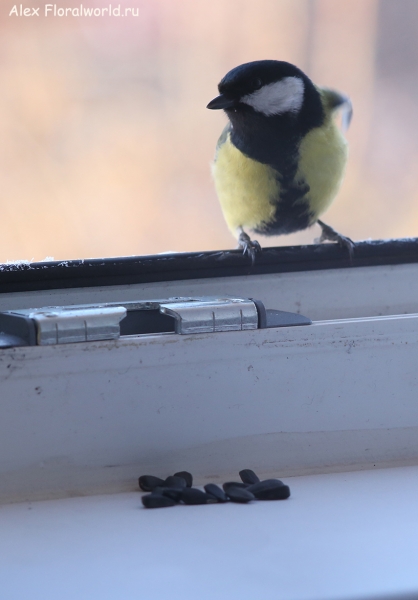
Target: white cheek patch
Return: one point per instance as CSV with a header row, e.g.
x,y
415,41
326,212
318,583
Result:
x,y
276,98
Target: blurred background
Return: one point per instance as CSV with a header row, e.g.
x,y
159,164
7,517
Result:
x,y
106,143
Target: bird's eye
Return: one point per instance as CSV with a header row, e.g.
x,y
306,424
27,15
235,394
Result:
x,y
257,84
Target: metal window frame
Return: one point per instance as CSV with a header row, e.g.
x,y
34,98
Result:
x,y
23,277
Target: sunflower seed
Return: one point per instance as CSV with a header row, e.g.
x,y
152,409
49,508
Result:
x,y
148,483
248,476
175,482
194,496
215,491
188,477
237,484
157,501
173,493
270,489
238,494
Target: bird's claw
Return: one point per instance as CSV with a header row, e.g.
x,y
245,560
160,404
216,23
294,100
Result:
x,y
328,234
249,246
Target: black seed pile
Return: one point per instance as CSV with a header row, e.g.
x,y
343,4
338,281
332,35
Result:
x,y
177,489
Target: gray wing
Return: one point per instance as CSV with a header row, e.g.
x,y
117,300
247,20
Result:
x,y
222,138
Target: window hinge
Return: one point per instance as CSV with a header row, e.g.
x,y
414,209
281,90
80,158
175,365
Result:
x,y
209,315
84,323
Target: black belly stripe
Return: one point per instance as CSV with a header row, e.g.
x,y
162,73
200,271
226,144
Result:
x,y
285,221
292,206
280,150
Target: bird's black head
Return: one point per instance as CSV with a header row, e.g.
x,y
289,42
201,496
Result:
x,y
269,89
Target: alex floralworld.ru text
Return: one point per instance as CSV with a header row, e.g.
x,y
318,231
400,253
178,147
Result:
x,y
51,10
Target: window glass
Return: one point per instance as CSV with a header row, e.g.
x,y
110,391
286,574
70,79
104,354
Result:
x,y
106,142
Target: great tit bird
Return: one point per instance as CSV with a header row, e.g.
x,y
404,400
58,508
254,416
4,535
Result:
x,y
281,158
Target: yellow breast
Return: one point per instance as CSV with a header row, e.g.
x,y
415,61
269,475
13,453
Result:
x,y
322,160
249,191
246,188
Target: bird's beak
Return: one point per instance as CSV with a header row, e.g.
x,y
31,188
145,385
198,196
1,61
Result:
x,y
220,102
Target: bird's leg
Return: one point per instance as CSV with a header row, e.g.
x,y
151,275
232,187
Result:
x,y
329,234
249,246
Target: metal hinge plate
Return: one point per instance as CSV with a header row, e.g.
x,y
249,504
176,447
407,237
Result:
x,y
212,315
65,325
85,323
